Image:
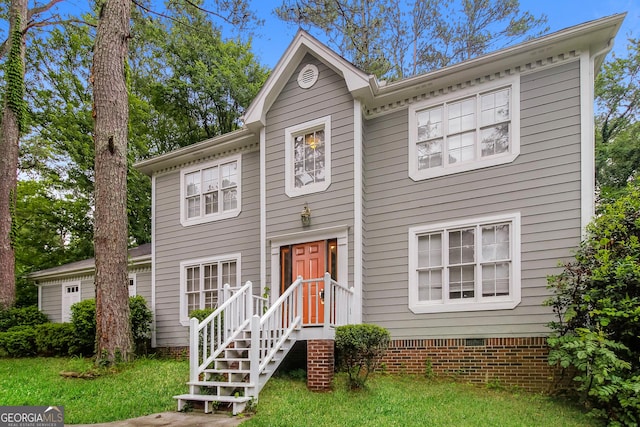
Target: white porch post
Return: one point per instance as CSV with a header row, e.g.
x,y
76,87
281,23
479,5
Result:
x,y
254,353
328,298
194,349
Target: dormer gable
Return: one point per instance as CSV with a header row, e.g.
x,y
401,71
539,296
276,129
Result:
x,y
357,81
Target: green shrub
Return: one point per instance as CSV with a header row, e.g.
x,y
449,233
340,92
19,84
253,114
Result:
x,y
359,350
23,316
83,321
201,314
141,319
55,339
18,341
597,304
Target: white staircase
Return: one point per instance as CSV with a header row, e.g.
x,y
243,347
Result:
x,y
236,349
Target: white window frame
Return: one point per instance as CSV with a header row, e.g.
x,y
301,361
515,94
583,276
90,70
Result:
x,y
66,303
511,82
204,218
478,302
133,288
184,315
290,133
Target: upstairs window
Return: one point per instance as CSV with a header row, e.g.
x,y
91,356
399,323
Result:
x,y
211,192
464,131
465,265
308,157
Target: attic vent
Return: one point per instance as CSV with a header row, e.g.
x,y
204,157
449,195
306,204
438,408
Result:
x,y
308,76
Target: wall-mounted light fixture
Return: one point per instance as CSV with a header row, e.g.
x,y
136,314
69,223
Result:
x,y
305,216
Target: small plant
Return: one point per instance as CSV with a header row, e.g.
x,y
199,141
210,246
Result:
x,y
297,374
428,369
360,348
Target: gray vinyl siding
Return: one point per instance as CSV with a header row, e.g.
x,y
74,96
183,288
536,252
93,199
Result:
x,y
143,284
175,243
51,303
52,290
51,293
543,184
333,207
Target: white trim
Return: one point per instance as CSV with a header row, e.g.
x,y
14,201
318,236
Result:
x,y
135,284
587,139
341,234
513,82
66,302
263,210
184,316
289,133
357,211
222,214
153,260
503,303
39,286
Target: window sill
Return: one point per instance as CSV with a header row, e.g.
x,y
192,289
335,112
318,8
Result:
x,y
210,218
423,308
310,189
419,175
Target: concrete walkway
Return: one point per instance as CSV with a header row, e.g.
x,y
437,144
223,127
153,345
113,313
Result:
x,y
177,419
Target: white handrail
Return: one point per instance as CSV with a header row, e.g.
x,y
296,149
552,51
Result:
x,y
207,339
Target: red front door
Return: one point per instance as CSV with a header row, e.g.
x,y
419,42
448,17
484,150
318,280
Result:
x,y
308,261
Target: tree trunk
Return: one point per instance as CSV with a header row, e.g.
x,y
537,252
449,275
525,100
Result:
x,y
12,119
111,114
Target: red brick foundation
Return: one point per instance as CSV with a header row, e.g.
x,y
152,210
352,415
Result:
x,y
172,352
320,364
518,362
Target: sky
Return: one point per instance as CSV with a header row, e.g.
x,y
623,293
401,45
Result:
x,y
271,40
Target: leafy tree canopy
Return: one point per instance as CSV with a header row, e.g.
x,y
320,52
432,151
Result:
x,y
617,90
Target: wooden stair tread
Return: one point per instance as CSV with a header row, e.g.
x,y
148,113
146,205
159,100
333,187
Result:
x,y
212,398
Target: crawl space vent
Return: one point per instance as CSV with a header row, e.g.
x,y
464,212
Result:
x,y
308,76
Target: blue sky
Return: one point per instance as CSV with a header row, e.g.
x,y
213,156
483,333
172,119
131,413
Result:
x,y
271,40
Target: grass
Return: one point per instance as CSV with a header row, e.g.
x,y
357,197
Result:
x,y
143,387
147,386
409,401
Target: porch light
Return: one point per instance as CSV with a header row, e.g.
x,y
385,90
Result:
x,y
305,216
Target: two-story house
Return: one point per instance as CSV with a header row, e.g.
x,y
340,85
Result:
x,y
437,205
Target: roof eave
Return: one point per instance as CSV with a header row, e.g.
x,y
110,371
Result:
x,y
303,43
594,36
193,152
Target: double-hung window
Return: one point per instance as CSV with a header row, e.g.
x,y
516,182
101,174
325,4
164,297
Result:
x,y
308,157
465,130
465,265
202,281
210,191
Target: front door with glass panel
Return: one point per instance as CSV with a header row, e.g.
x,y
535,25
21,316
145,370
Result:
x,y
311,261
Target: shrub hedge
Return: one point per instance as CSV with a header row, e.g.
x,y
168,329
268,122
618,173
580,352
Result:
x,y
26,331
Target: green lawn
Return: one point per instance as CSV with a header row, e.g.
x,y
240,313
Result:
x,y
147,387
143,388
409,401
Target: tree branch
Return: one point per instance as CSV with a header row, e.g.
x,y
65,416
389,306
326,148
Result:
x,y
40,9
162,15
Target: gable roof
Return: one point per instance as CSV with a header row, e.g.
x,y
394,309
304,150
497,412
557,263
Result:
x,y
139,255
358,82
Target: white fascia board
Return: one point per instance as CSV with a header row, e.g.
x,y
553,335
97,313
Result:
x,y
588,36
357,81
